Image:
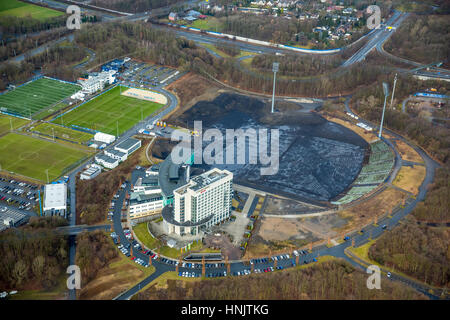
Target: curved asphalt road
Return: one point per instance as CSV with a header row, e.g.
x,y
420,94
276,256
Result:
x,y
339,251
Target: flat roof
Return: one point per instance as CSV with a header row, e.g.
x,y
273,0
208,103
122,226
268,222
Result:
x,y
55,195
168,185
127,144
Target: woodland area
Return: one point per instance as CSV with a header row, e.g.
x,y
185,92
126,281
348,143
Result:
x,y
420,251
279,30
20,45
33,256
421,38
94,252
335,280
11,26
295,65
94,196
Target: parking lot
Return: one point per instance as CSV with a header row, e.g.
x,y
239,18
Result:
x,y
144,75
18,194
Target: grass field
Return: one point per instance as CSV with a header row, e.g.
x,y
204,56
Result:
x,y
30,156
36,96
22,9
5,123
109,110
62,132
410,178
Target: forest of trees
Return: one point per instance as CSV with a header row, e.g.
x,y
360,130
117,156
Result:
x,y
11,26
423,39
22,44
33,256
94,252
280,30
295,65
335,280
420,251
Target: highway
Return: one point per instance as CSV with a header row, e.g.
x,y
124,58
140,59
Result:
x,y
377,38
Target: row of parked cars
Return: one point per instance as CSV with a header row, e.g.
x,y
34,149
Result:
x,y
216,274
188,274
261,260
140,262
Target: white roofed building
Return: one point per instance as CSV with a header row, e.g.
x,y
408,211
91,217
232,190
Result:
x,y
104,137
55,199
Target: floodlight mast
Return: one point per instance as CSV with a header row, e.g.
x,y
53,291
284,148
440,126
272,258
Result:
x,y
386,94
275,70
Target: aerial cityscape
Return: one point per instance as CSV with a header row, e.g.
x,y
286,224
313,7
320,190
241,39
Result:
x,y
224,150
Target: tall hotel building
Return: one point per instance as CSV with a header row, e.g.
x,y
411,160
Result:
x,y
203,201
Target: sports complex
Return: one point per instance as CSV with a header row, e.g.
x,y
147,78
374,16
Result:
x,y
111,112
31,157
29,99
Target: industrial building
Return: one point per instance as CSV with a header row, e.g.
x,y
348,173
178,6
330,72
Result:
x,y
128,146
115,154
10,218
55,199
90,173
106,161
204,201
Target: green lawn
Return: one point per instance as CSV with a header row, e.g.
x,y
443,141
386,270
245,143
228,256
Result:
x,y
5,123
109,110
62,132
36,96
210,24
144,236
30,156
22,9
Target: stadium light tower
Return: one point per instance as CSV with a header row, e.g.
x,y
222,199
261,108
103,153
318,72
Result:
x,y
386,94
393,90
275,67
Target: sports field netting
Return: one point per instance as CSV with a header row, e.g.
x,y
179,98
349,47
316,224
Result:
x,y
109,111
50,129
30,156
35,96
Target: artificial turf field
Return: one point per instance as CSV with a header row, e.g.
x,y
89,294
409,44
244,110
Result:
x,y
5,123
103,112
21,9
36,96
61,132
30,156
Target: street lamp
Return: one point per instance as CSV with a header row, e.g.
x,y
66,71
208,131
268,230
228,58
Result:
x,y
386,94
275,67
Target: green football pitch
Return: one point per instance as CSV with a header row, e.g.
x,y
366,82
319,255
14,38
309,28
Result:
x,y
109,111
35,96
51,129
7,121
21,9
31,157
